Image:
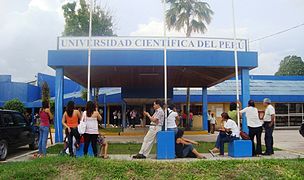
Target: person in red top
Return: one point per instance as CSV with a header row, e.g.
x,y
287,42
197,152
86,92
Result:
x,y
45,117
70,120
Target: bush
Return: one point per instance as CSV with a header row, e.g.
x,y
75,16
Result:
x,y
14,104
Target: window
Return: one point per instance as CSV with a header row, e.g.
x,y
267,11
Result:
x,y
281,108
7,119
19,120
1,121
295,108
295,120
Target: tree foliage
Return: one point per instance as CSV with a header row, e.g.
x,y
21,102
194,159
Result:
x,y
291,66
77,20
45,92
191,15
14,104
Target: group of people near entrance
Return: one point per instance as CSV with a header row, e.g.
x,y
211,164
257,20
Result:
x,y
255,123
183,147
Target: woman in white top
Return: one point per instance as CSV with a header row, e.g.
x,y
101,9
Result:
x,y
91,116
172,118
254,125
229,133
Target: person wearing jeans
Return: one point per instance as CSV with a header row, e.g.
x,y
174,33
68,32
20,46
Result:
x,y
269,119
229,133
43,136
45,117
254,125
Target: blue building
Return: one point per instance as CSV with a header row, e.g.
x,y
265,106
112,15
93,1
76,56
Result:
x,y
129,73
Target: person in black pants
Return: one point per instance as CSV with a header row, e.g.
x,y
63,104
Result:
x,y
254,125
90,138
91,117
269,119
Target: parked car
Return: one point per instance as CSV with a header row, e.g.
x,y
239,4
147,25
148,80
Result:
x,y
15,131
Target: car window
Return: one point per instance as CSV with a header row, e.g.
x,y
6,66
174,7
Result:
x,y
19,119
1,121
7,119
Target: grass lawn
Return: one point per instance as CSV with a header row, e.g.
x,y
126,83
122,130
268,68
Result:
x,y
60,167
133,148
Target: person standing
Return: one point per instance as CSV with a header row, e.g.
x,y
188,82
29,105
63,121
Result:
x,y
45,117
209,120
212,122
172,118
254,125
70,122
133,118
118,123
115,118
157,121
91,117
269,119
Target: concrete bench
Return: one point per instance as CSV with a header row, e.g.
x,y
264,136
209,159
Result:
x,y
240,148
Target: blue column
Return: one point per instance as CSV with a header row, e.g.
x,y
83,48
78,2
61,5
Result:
x,y
205,109
123,112
104,111
245,95
58,104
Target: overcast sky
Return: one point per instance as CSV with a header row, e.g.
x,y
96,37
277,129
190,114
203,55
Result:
x,y
29,29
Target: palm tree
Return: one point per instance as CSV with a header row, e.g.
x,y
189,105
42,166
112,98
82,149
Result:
x,y
191,16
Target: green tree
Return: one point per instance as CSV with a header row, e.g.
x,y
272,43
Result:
x,y
77,20
291,66
191,16
45,92
84,94
14,104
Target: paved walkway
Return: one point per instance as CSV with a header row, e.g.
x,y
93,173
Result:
x,y
290,141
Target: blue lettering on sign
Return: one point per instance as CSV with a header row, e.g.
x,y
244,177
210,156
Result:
x,y
207,44
222,43
213,45
137,42
200,43
183,43
228,45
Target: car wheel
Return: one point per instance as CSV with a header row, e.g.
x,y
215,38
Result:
x,y
34,145
3,150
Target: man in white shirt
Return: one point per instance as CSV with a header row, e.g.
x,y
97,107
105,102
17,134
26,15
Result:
x,y
172,118
269,119
230,133
157,121
254,125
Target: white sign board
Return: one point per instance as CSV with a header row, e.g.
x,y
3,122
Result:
x,y
152,43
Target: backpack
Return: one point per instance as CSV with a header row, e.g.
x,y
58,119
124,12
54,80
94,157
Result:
x,y
301,130
168,113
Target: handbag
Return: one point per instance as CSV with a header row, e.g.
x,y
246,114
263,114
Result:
x,y
82,125
244,135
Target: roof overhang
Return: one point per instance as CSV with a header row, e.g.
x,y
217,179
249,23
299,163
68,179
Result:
x,y
144,68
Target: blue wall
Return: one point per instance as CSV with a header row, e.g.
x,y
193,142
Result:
x,y
69,86
23,91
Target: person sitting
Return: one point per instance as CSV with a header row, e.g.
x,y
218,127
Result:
x,y
229,133
103,146
184,147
